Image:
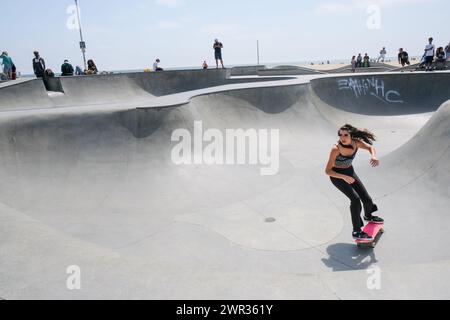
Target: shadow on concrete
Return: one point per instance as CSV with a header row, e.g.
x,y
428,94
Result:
x,y
347,256
142,123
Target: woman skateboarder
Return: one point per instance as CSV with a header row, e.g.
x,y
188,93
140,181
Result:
x,y
343,176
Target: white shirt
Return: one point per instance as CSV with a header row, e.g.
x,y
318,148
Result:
x,y
429,50
155,65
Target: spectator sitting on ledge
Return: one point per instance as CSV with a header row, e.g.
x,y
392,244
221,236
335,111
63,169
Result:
x,y
92,68
156,66
66,69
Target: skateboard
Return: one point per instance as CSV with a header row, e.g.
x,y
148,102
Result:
x,y
375,231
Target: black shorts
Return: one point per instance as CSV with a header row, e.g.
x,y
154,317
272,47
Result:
x,y
428,59
218,55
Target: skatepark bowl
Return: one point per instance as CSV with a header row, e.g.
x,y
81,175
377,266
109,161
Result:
x,y
94,207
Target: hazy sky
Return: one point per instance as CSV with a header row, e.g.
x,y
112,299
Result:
x,y
131,34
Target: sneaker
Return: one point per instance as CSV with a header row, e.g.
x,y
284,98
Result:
x,y
361,235
375,219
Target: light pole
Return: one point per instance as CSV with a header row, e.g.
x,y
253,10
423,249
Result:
x,y
257,50
82,43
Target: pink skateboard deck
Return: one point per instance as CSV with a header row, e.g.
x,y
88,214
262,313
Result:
x,y
372,229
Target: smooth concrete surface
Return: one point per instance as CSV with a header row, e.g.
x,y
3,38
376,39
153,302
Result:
x,y
246,70
374,67
91,183
288,70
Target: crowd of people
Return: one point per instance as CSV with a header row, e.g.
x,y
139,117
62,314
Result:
x,y
68,70
41,71
360,62
432,59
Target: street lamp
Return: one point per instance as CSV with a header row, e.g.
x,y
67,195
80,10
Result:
x,y
257,51
82,43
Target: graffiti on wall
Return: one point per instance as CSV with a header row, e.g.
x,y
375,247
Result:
x,y
370,86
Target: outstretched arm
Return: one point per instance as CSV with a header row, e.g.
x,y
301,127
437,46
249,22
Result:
x,y
374,160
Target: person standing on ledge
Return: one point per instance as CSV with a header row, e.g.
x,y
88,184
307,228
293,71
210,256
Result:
x,y
382,55
359,61
343,176
353,63
38,65
429,54
366,63
218,46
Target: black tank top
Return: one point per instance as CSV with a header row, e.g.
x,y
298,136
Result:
x,y
345,161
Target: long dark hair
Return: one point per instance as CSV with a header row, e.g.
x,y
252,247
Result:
x,y
364,134
91,64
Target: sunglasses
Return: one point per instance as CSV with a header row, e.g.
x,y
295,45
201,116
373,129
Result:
x,y
344,135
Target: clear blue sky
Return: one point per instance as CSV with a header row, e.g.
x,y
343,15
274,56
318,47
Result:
x,y
131,34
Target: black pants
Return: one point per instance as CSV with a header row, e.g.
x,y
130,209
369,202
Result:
x,y
357,193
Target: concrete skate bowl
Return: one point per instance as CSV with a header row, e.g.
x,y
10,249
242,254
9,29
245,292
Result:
x,y
112,89
99,189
